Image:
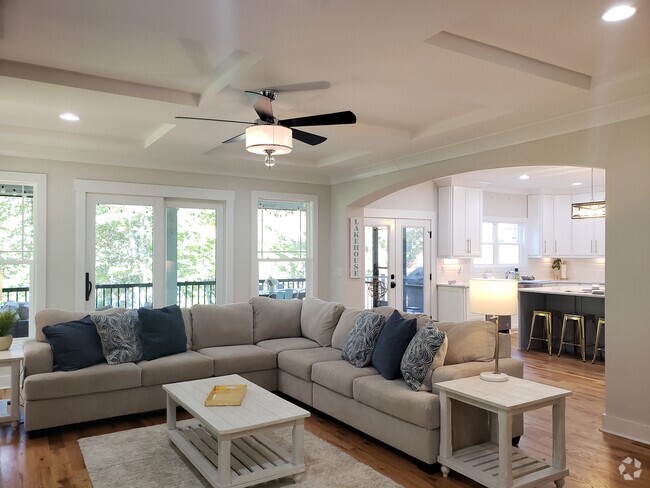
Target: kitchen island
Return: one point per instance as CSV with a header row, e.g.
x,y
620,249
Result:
x,y
575,298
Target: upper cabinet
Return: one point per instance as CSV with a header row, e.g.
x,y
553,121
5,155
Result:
x,y
588,234
549,226
460,213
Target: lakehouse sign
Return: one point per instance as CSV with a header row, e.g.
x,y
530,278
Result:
x,y
355,247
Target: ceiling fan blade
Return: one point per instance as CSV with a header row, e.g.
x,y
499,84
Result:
x,y
262,106
335,118
217,120
240,137
307,137
310,85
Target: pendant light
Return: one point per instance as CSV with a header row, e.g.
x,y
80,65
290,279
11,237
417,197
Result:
x,y
589,210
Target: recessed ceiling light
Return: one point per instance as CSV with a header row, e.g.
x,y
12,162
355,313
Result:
x,y
577,183
69,116
524,177
620,12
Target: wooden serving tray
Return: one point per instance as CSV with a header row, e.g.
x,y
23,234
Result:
x,y
224,395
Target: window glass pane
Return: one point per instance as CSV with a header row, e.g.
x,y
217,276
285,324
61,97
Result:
x,y
283,274
508,233
508,254
487,232
376,258
413,269
487,255
123,255
16,222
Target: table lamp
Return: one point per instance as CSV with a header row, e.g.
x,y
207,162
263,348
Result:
x,y
493,297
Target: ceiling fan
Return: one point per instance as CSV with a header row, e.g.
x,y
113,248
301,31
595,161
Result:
x,y
270,136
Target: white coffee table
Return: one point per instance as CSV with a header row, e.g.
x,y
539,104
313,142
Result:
x,y
499,465
227,444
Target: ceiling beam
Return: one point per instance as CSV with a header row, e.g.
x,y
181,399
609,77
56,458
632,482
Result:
x,y
224,74
54,76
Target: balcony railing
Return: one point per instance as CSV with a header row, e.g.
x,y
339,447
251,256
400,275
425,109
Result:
x,y
136,295
16,294
284,283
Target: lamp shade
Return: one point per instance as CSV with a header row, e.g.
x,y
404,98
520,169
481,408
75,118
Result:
x,y
493,297
263,138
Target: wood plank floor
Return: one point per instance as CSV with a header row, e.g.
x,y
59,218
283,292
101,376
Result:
x,y
54,459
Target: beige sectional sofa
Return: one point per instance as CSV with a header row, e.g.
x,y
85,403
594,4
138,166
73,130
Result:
x,y
290,346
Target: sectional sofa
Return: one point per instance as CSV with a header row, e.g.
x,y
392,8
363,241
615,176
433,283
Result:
x,y
291,346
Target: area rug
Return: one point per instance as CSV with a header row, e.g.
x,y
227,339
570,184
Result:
x,y
146,458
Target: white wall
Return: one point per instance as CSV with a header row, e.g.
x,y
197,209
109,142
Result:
x,y
505,205
61,217
415,198
623,150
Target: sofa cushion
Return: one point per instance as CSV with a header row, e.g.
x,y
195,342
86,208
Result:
x,y
240,359
299,362
397,399
162,331
51,316
362,339
184,366
274,319
339,375
346,322
120,336
469,341
424,354
393,340
93,379
222,325
287,344
318,319
75,344
187,322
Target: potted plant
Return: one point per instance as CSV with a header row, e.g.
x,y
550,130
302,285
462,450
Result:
x,y
7,321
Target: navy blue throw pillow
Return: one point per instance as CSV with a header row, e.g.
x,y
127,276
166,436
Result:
x,y
75,344
393,340
162,331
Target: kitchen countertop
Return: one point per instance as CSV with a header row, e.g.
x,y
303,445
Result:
x,y
577,290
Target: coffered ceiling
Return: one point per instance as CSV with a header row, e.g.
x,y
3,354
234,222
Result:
x,y
427,79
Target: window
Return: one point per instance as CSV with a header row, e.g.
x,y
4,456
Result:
x,y
285,249
22,246
500,244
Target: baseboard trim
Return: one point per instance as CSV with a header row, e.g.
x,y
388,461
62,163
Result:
x,y
626,428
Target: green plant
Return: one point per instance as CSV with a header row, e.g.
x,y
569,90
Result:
x,y
7,320
557,264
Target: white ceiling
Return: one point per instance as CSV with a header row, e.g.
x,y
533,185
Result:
x,y
427,79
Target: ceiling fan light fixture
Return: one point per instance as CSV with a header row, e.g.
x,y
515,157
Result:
x,y
260,139
269,160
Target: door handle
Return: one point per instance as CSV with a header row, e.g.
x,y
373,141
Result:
x,y
89,286
393,284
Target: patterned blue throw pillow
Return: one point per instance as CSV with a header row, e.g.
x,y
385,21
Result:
x,y
425,353
362,338
120,336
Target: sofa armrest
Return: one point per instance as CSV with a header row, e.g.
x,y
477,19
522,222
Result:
x,y
38,357
512,367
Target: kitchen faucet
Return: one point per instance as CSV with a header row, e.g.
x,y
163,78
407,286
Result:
x,y
510,274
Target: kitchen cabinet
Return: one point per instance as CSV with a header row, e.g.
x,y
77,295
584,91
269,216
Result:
x,y
549,228
460,214
453,304
588,234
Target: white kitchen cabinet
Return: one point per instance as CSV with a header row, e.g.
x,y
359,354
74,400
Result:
x,y
549,226
460,214
453,304
588,234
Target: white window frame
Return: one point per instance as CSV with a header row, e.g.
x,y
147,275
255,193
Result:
x,y
503,220
84,188
37,298
311,273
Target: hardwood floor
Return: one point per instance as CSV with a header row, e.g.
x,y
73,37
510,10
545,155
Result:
x,y
54,459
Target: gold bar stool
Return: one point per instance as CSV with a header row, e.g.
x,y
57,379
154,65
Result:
x,y
578,322
597,348
547,328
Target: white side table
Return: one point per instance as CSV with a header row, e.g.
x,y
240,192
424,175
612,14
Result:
x,y
13,357
499,464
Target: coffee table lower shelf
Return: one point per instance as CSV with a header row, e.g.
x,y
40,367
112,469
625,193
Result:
x,y
254,458
481,463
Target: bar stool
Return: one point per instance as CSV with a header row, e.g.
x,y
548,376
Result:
x,y
547,328
597,348
578,332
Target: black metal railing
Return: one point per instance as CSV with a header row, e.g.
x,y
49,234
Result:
x,y
284,283
136,295
15,294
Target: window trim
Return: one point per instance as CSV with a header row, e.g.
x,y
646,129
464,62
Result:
x,y
83,188
38,299
311,270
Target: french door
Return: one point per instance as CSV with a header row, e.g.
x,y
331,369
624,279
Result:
x,y
398,264
152,251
